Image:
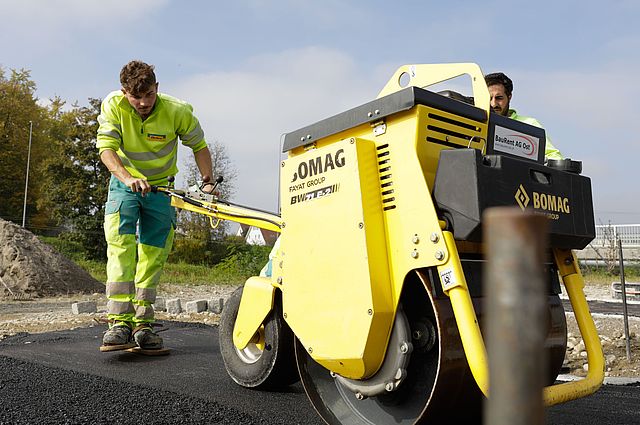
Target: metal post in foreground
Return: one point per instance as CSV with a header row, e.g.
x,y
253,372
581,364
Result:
x,y
624,300
26,181
515,243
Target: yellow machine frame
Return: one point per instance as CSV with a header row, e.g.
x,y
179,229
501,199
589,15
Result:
x,y
361,240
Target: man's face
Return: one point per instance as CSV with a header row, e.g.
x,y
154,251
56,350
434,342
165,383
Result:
x,y
499,99
142,102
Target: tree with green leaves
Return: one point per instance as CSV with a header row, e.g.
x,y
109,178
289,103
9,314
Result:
x,y
197,226
19,108
196,241
76,183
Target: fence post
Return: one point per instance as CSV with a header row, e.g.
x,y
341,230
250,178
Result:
x,y
516,315
624,300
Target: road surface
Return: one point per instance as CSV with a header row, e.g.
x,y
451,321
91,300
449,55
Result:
x,y
61,377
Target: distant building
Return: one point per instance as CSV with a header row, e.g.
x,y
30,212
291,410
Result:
x,y
256,236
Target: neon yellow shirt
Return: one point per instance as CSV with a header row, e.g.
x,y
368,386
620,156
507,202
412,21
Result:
x,y
550,151
148,149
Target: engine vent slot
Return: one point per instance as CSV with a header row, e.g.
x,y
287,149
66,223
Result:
x,y
386,177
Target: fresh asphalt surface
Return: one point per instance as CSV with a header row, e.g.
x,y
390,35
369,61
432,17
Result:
x,y
62,378
607,307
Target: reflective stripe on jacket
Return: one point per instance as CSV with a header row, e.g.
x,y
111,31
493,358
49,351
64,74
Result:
x,y
550,151
148,149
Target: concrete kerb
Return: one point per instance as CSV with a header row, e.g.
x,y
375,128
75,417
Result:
x,y
84,307
197,306
215,305
160,304
174,306
171,306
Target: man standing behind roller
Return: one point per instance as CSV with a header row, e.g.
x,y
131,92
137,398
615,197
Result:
x,y
500,90
137,139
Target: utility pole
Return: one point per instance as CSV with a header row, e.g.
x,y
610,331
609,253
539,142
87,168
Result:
x,y
26,182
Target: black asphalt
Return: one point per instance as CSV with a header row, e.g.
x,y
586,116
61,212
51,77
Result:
x,y
607,307
62,378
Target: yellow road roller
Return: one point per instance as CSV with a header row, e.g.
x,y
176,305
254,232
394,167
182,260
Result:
x,y
375,295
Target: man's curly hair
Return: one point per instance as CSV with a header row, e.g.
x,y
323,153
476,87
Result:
x,y
500,78
137,77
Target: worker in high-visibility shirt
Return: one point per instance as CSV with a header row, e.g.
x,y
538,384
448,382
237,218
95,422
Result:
x,y
138,142
500,91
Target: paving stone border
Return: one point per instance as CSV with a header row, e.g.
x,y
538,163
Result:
x,y
169,305
84,307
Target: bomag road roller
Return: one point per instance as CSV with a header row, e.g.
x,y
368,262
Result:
x,y
374,299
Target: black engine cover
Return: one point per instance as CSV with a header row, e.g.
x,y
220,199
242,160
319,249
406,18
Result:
x,y
467,183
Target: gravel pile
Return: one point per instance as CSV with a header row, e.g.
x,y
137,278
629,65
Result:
x,y
30,268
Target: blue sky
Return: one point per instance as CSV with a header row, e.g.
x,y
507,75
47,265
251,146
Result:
x,y
255,69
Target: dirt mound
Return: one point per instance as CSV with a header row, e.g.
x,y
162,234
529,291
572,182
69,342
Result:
x,y
30,267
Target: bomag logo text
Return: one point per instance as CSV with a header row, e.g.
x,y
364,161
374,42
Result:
x,y
546,202
320,164
542,201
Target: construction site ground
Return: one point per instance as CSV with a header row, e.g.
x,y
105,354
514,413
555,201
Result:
x,y
55,313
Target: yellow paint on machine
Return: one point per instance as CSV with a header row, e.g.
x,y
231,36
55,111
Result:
x,y
256,303
336,284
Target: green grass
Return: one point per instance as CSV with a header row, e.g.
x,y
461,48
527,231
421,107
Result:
x,y
97,269
600,276
175,274
191,274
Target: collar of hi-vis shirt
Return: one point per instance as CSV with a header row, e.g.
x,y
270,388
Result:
x,y
124,104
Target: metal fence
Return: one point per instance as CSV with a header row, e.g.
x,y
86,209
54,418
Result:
x,y
629,234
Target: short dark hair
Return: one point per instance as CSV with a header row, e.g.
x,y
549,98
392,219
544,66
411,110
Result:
x,y
137,77
500,78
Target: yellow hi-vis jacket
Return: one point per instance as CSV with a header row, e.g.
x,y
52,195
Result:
x,y
148,149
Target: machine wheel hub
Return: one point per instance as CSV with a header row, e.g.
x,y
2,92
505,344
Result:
x,y
394,367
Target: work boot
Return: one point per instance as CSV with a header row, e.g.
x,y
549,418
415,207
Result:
x,y
146,338
118,334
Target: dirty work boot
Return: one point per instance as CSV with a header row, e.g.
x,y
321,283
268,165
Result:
x,y
146,338
118,334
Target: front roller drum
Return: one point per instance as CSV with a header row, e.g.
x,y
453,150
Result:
x,y
438,388
437,376
268,361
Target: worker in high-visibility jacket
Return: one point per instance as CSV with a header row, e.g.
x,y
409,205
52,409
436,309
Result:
x,y
138,142
500,91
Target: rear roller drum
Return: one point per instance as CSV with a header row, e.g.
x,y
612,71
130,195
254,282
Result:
x,y
268,361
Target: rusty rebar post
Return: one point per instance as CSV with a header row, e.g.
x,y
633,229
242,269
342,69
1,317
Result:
x,y
515,288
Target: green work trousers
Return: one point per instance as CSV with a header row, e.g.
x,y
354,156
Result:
x,y
139,232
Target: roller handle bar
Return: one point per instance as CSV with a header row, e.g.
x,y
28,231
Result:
x,y
172,192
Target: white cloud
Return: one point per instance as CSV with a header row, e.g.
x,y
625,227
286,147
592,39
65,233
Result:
x,y
599,99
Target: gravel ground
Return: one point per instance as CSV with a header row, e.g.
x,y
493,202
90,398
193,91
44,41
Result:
x,y
612,336
52,314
